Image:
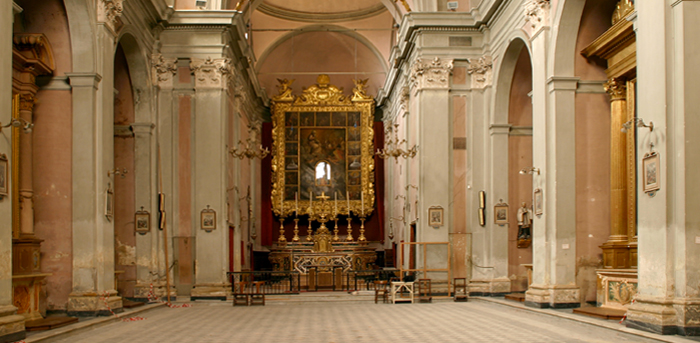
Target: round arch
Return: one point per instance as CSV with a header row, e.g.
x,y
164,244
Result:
x,y
504,76
139,73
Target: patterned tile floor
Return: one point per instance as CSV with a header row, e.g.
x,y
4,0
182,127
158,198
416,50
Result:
x,y
475,321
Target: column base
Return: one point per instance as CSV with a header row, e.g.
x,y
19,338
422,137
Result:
x,y
11,325
142,291
92,305
665,316
489,288
542,296
210,292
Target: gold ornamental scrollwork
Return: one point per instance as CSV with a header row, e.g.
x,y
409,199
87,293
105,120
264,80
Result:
x,y
322,97
616,88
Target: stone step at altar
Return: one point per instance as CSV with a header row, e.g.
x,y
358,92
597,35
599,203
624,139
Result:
x,y
320,296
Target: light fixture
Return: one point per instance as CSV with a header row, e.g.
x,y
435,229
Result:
x,y
638,122
529,170
248,149
19,122
116,171
393,146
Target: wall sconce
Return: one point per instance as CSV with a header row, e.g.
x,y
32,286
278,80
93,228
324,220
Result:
x,y
638,122
393,147
116,171
248,150
529,170
19,122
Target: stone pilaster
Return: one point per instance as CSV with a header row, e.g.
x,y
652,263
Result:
x,y
481,71
667,301
11,324
430,84
209,157
93,140
553,143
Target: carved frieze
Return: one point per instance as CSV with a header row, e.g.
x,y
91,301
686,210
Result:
x,y
537,12
403,100
108,11
616,88
211,73
481,71
434,74
163,70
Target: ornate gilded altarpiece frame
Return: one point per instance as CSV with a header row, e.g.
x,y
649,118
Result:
x,y
322,125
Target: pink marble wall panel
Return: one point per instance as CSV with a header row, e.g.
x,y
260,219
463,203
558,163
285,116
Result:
x,y
124,192
519,156
184,172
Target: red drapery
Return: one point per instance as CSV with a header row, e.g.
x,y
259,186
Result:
x,y
266,188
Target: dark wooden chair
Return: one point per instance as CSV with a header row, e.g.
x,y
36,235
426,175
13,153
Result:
x,y
461,292
425,290
381,289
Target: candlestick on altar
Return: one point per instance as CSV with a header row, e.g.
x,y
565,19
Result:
x,y
281,240
349,238
362,238
335,202
296,230
336,238
347,198
296,204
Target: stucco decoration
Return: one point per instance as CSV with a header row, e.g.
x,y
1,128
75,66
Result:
x,y
431,75
211,73
481,71
163,70
108,11
403,100
537,12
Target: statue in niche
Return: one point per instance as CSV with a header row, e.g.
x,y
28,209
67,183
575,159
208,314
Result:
x,y
524,217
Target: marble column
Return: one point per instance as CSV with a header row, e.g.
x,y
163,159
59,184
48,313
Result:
x,y
554,236
11,324
669,221
209,174
93,151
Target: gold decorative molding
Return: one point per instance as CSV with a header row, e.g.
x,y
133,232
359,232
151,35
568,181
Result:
x,y
320,98
285,91
26,102
322,93
434,74
481,71
616,88
360,92
163,70
622,10
537,12
211,73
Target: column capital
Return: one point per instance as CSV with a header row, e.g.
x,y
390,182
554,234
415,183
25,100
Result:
x,y
537,13
616,88
84,79
481,71
26,102
139,128
499,129
431,75
211,73
163,70
108,12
